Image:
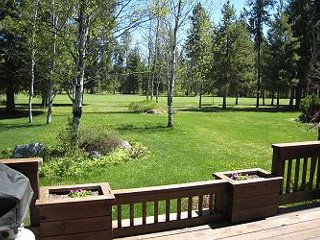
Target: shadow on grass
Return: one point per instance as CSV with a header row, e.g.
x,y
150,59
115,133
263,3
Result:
x,y
18,114
111,112
240,109
37,105
146,128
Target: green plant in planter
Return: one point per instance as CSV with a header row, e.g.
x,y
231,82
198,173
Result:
x,y
79,193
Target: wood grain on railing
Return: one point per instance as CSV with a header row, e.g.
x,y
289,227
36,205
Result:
x,y
298,164
179,209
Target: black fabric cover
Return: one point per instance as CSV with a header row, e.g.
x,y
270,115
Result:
x,y
15,197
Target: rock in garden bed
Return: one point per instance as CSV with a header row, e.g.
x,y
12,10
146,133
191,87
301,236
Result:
x,y
29,150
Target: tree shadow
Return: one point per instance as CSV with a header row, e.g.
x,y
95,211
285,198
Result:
x,y
270,109
21,126
111,112
146,128
38,105
18,114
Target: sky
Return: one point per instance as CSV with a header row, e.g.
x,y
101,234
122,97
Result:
x,y
213,8
217,5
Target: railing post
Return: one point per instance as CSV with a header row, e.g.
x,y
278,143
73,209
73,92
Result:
x,y
30,168
277,161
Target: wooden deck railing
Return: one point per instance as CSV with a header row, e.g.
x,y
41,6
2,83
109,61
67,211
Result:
x,y
298,164
169,207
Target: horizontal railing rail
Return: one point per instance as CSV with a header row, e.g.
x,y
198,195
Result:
x,y
153,209
298,164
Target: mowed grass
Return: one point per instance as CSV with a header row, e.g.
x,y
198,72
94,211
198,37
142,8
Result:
x,y
202,141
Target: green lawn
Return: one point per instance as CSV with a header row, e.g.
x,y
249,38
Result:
x,y
202,141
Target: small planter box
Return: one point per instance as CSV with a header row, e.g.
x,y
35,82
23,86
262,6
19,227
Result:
x,y
78,218
254,194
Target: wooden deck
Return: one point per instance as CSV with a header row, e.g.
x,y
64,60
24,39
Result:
x,y
302,224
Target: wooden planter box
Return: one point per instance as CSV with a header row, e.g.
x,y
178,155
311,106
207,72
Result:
x,y
76,218
254,198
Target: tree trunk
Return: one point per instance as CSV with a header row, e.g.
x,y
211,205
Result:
x,y
173,65
318,131
237,99
278,100
33,60
51,81
10,101
44,101
263,98
272,97
259,40
78,82
157,91
259,78
291,98
298,97
224,99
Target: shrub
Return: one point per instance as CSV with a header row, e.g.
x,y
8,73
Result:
x,y
142,106
101,140
310,108
80,164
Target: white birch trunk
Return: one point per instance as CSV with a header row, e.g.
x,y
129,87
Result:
x,y
172,76
78,82
51,81
33,60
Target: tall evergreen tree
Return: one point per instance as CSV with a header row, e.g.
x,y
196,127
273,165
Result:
x,y
199,47
258,14
224,49
283,57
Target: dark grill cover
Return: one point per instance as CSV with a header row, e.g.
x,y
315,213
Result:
x,y
15,197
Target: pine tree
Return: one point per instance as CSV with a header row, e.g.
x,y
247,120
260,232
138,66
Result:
x,y
199,47
258,15
224,49
283,57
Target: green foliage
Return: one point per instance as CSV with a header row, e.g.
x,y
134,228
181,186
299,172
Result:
x,y
6,153
199,47
310,108
98,139
79,163
79,193
138,107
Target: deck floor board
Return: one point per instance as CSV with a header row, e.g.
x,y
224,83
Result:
x,y
304,224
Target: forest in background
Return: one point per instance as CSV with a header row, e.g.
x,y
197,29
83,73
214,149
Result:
x,y
48,46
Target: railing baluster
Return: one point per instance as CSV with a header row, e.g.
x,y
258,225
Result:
x,y
296,175
312,171
304,173
211,199
131,214
200,205
167,210
289,176
144,213
155,211
119,216
178,208
189,207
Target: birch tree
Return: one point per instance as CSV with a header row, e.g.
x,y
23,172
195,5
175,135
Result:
x,y
33,56
179,10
